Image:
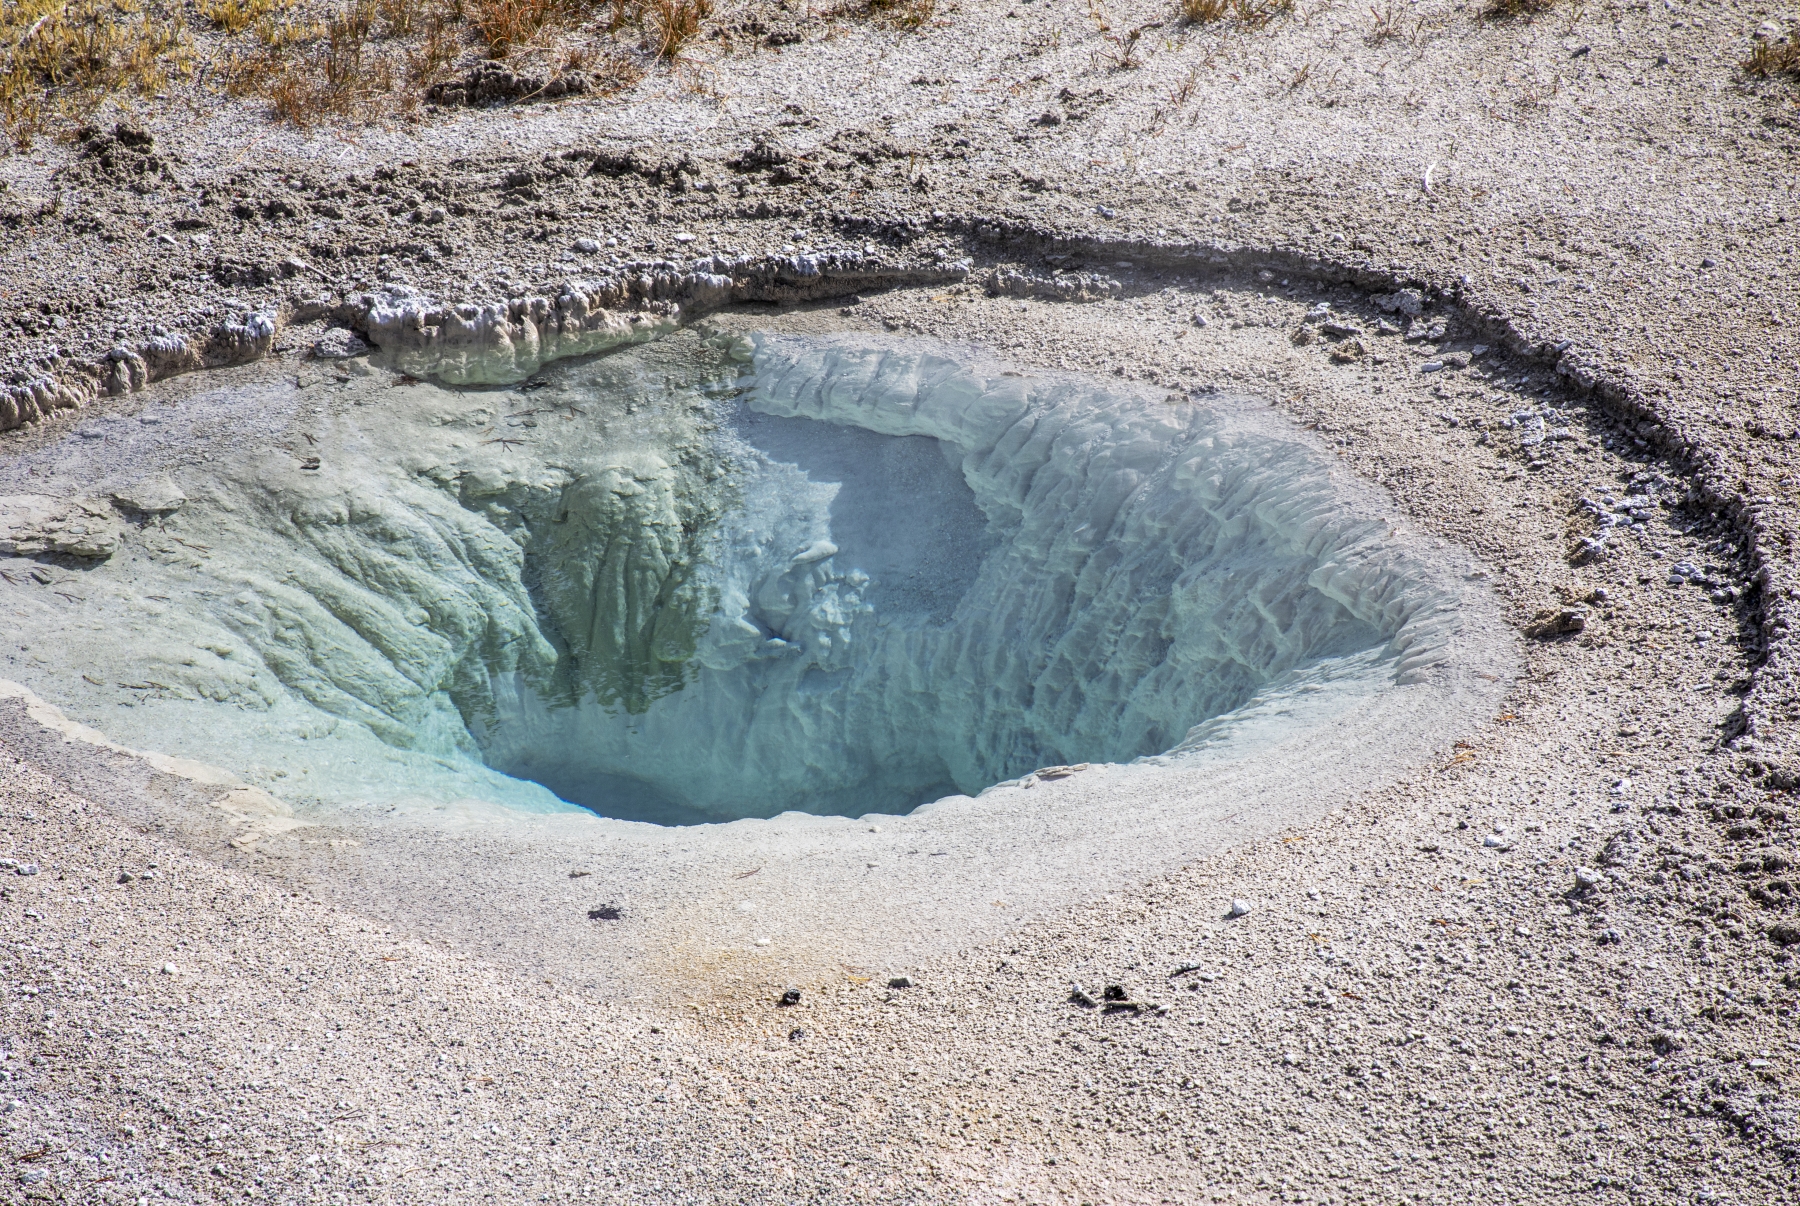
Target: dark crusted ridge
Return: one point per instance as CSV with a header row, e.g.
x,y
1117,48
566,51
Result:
x,y
637,288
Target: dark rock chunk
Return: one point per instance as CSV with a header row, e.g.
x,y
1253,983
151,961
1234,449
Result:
x,y
124,155
762,155
1561,621
493,83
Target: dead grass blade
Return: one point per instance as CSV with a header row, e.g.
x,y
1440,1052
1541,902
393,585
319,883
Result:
x,y
1774,56
1244,14
1504,10
671,24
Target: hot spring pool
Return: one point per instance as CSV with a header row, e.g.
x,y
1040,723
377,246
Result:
x,y
709,579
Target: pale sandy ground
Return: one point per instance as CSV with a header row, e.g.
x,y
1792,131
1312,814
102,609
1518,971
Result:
x,y
1407,1013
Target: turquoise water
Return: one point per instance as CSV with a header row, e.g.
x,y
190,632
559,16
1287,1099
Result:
x,y
707,580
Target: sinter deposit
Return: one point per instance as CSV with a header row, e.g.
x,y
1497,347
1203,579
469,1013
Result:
x,y
721,578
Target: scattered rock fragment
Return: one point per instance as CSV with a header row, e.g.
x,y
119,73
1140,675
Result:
x,y
339,343
1239,908
1588,880
1409,302
1559,621
154,496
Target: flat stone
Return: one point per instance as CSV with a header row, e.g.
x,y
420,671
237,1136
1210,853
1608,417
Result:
x,y
1409,302
339,343
36,523
155,496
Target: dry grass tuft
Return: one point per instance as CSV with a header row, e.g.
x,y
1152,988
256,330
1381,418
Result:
x,y
63,58
899,14
506,26
235,16
1245,14
665,25
673,23
1774,56
1504,10
1205,12
343,66
1386,27
907,14
319,60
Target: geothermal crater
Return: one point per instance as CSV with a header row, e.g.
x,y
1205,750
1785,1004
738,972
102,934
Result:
x,y
712,578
